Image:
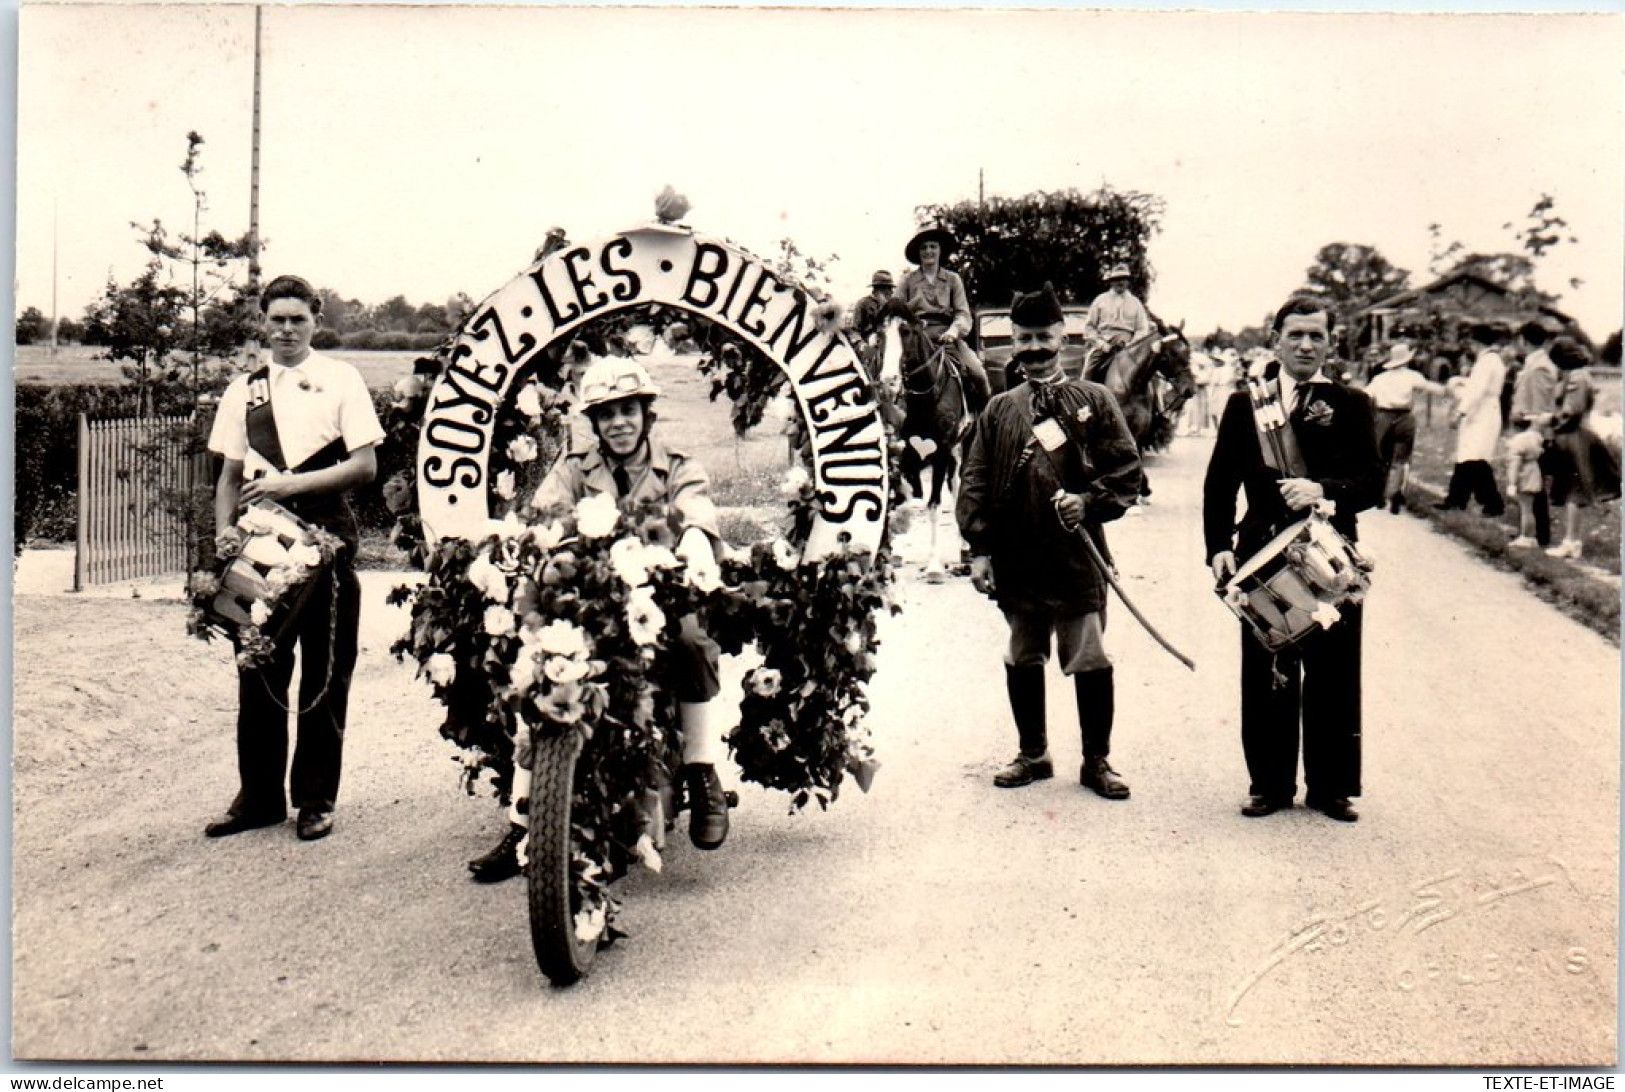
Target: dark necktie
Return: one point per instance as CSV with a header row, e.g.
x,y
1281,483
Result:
x,y
623,481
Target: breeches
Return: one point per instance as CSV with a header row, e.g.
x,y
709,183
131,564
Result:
x,y
1079,640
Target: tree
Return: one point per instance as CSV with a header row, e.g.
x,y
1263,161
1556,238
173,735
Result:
x,y
184,314
1352,276
32,326
69,330
1067,239
394,314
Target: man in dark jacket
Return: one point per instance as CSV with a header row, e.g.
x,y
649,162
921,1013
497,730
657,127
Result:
x,y
1332,442
1050,459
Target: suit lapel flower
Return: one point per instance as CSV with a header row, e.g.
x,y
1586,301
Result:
x,y
1316,411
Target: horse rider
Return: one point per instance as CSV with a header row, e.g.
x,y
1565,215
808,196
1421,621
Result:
x,y
629,464
1051,460
866,318
937,298
1116,318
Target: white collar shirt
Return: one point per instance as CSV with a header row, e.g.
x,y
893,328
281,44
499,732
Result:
x,y
314,403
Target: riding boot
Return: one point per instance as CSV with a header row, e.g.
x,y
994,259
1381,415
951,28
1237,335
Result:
x,y
1097,707
1026,688
702,750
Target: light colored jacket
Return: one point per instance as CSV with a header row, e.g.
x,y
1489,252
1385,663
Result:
x,y
1478,400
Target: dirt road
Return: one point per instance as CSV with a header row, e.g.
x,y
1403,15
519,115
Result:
x,y
1469,918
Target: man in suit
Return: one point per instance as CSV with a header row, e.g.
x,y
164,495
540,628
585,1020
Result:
x,y
1332,456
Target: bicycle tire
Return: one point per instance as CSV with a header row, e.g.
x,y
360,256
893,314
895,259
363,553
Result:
x,y
550,880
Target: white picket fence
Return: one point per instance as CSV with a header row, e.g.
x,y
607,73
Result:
x,y
125,467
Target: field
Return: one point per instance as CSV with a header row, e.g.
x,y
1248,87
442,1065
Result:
x,y
83,364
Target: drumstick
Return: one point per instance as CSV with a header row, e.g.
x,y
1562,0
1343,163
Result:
x,y
1111,579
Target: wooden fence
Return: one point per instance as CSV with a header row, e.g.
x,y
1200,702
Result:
x,y
126,470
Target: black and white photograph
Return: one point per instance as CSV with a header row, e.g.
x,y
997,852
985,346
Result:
x,y
815,536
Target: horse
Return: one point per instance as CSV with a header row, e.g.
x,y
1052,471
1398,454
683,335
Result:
x,y
936,421
1151,378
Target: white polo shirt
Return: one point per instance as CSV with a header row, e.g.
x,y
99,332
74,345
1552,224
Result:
x,y
319,400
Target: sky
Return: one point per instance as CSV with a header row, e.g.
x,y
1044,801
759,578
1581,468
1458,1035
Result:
x,y
424,151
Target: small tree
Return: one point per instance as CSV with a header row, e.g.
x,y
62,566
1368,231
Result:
x,y
1351,276
32,326
179,324
1069,239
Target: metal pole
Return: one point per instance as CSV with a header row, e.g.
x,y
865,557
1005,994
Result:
x,y
254,192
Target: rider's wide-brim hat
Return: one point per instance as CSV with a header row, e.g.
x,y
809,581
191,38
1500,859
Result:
x,y
1399,355
1119,273
939,235
882,279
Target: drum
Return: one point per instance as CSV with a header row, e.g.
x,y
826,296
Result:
x,y
277,567
1294,585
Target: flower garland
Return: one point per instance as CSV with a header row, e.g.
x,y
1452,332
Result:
x,y
279,589
561,621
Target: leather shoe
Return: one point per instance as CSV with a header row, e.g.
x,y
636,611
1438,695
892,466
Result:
x,y
236,824
707,806
1258,806
1024,771
1098,775
1333,807
314,824
502,863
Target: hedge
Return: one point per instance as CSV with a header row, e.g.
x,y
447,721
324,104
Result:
x,y
47,455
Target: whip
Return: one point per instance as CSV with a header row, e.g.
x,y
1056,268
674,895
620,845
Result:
x,y
1111,579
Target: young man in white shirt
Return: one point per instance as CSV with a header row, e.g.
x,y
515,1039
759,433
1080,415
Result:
x,y
299,432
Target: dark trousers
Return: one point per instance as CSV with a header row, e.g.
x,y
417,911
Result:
x,y
1322,690
328,624
1474,480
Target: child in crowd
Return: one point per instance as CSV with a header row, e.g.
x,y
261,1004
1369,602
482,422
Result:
x,y
1524,474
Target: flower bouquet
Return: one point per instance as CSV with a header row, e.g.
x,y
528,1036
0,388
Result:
x,y
259,587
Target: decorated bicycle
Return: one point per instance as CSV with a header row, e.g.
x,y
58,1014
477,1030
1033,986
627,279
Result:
x,y
576,598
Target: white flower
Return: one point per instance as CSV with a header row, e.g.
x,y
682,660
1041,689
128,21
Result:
x,y
440,668
785,554
766,681
626,558
705,577
644,620
590,924
562,704
656,556
647,853
278,580
561,638
522,449
259,613
305,555
529,401
505,485
546,536
489,579
499,621
565,669
597,515
1326,615
794,481
522,675
410,387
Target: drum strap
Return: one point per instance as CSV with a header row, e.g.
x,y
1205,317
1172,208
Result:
x,y
262,432
1275,436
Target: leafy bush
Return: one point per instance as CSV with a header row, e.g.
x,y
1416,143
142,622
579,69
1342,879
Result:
x,y
47,455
